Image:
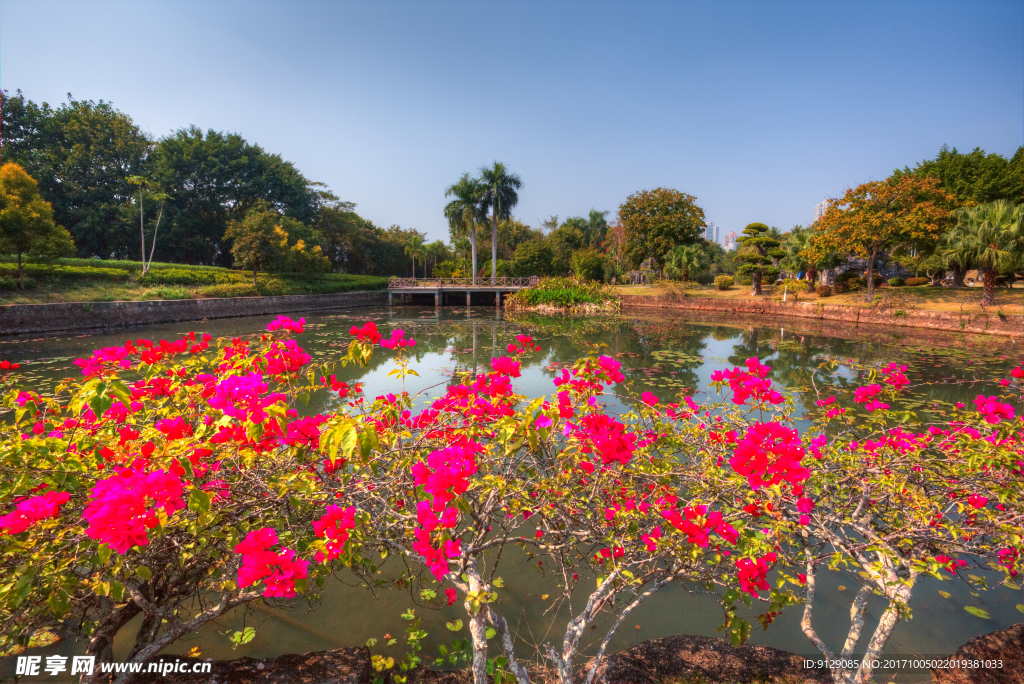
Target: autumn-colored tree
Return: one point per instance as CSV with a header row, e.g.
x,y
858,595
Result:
x,y
657,220
26,220
883,215
758,247
259,240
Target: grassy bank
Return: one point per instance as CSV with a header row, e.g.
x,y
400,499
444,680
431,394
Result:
x,y
95,280
961,300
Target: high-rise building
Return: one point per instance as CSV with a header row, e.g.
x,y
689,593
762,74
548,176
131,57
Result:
x,y
711,233
730,240
819,209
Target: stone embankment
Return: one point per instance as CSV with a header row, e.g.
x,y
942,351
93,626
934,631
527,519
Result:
x,y
993,323
18,319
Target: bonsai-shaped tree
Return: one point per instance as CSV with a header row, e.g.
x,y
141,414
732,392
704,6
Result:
x,y
988,236
755,257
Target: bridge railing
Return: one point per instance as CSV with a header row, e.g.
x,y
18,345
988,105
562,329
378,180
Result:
x,y
436,283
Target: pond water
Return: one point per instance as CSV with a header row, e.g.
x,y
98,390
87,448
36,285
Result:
x,y
659,353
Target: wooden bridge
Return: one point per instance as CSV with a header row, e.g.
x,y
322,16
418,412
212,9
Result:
x,y
455,287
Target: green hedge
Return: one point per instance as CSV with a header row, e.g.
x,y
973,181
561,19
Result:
x,y
76,272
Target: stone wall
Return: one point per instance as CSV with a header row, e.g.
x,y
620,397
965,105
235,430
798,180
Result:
x,y
990,323
52,318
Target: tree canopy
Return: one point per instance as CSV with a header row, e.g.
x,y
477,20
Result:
x,y
657,220
26,220
975,176
758,246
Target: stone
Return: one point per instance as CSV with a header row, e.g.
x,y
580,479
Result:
x,y
703,658
340,666
1006,645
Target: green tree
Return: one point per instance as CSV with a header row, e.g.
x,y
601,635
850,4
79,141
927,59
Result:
x,y
499,197
415,249
26,220
259,241
464,211
589,264
685,261
81,154
989,237
657,220
343,234
975,176
146,188
757,249
533,258
800,257
437,251
215,178
597,228
565,240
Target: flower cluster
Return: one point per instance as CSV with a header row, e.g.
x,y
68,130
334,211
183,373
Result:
x,y
4,365
769,453
334,525
697,524
751,383
895,375
753,573
600,433
397,340
285,323
277,570
505,366
32,510
367,333
526,344
244,397
124,506
992,409
866,395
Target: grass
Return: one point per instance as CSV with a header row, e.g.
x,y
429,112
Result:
x,y
961,300
95,280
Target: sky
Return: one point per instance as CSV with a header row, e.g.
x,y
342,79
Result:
x,y
758,109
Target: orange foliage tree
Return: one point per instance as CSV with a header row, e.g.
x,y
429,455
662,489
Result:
x,y
882,215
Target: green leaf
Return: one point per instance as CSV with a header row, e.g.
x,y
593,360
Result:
x,y
944,594
978,612
491,632
454,626
199,501
428,595
144,572
243,637
1020,607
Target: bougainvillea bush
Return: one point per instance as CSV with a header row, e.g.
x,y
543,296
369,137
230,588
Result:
x,y
176,480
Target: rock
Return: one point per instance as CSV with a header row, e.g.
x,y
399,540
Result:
x,y
340,666
705,658
1006,645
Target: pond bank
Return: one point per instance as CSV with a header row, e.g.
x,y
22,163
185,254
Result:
x,y
1009,325
16,319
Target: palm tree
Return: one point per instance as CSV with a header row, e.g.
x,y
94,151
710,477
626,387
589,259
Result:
x,y
685,259
989,237
499,196
597,227
436,250
414,248
465,210
796,244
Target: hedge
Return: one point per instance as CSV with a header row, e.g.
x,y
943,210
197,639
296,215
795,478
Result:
x,y
896,282
43,270
914,282
724,282
824,291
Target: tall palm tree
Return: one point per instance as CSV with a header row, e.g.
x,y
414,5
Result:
x,y
989,237
465,210
436,250
685,260
597,226
414,248
499,196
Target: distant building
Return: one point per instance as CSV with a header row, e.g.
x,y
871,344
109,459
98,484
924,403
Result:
x,y
711,233
819,209
730,240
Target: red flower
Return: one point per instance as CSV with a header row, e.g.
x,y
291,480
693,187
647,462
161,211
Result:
x,y
31,511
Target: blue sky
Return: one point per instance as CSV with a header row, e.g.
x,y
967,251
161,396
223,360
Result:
x,y
759,109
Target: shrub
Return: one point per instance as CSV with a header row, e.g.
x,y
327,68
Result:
x,y
914,282
745,281
564,292
231,290
896,282
847,275
824,291
863,281
724,282
173,292
71,272
183,276
840,286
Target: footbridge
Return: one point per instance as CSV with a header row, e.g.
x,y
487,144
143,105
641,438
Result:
x,y
456,290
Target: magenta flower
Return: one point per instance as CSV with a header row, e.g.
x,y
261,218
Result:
x,y
32,510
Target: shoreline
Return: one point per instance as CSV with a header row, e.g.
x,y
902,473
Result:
x,y
67,317
1008,325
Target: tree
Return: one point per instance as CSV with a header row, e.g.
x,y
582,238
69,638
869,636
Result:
x,y
588,264
533,259
215,178
437,251
26,220
883,215
988,237
343,233
974,177
657,220
464,211
155,195
757,249
799,256
565,240
260,243
82,154
499,196
597,228
415,248
685,261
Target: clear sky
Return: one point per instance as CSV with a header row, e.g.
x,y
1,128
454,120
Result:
x,y
759,109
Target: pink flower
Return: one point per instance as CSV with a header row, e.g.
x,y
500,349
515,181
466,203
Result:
x,y
506,366
277,570
283,322
124,506
397,340
805,505
649,399
367,333
768,454
542,421
174,428
993,409
1018,372
334,525
451,595
32,510
977,500
752,573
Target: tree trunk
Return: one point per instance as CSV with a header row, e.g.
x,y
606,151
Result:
x,y
254,276
958,275
871,274
414,268
477,626
494,241
142,232
21,273
812,275
988,277
101,643
755,283
472,242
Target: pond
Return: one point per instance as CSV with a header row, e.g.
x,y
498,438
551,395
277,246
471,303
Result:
x,y
661,354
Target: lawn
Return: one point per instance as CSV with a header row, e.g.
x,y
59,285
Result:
x,y
87,280
966,299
